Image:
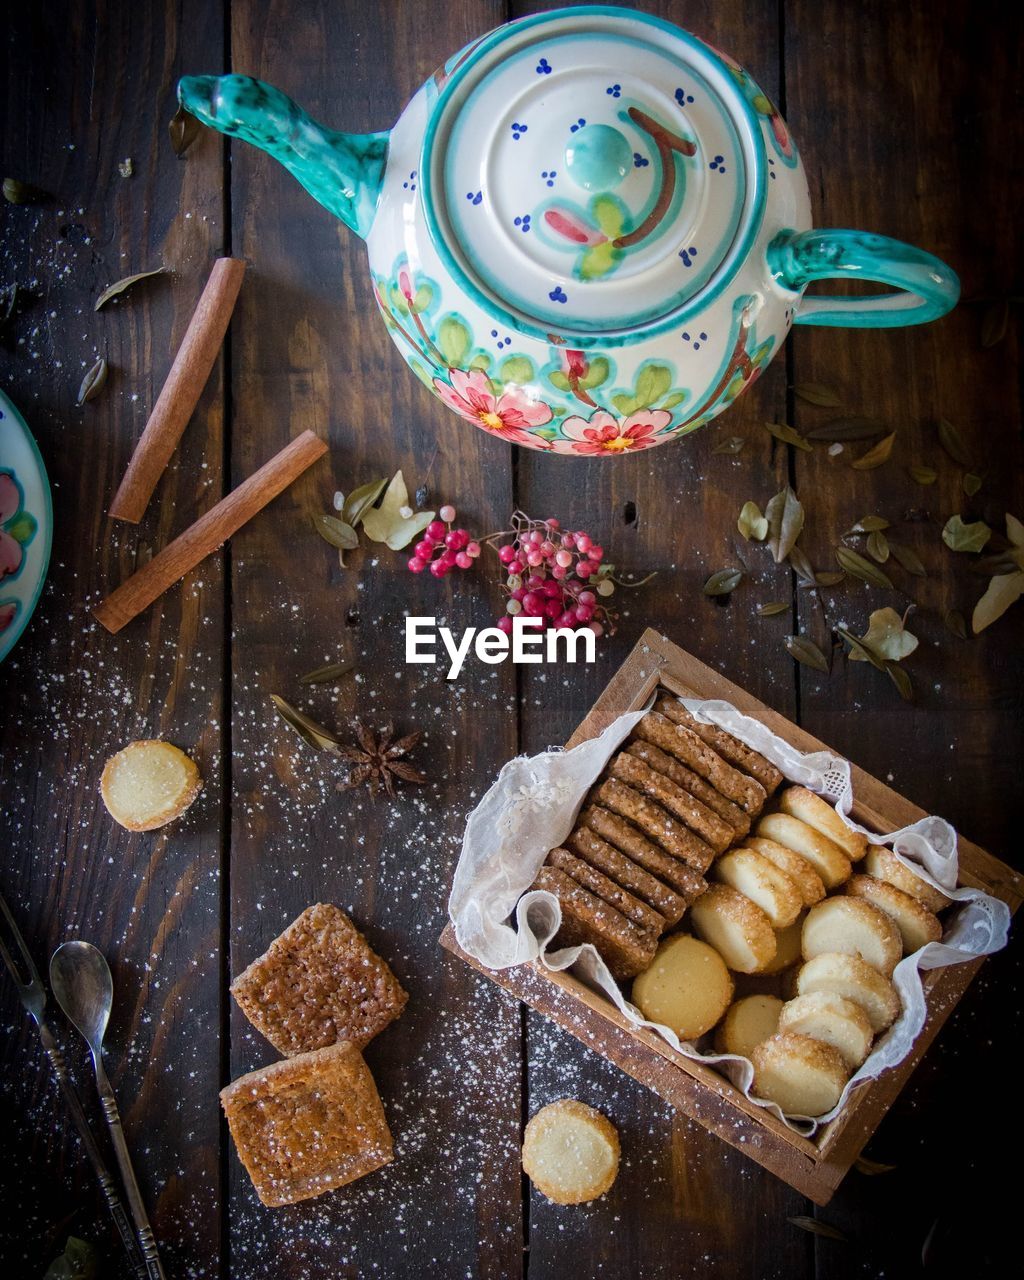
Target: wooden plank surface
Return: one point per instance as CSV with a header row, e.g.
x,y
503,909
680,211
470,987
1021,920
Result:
x,y
85,87
906,118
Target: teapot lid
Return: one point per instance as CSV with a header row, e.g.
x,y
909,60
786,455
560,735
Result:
x,y
592,170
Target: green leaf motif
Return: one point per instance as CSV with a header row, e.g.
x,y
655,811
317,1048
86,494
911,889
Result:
x,y
545,433
652,382
453,341
421,373
676,398
422,298
598,260
519,369
625,404
559,380
609,215
22,529
597,372
481,361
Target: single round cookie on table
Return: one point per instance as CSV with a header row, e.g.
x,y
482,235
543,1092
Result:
x,y
748,1023
800,803
687,987
917,925
802,1076
570,1152
148,784
854,927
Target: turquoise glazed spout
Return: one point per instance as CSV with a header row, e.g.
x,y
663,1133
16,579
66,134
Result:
x,y
589,231
344,171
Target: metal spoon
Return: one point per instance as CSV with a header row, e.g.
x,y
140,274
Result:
x,y
82,986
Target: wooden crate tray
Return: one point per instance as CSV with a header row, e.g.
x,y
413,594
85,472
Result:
x,y
814,1166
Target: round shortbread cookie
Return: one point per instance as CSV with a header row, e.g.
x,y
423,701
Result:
x,y
148,784
851,977
800,803
833,1020
570,1152
884,865
736,927
687,987
917,925
823,854
855,928
808,882
748,1022
762,882
802,1076
787,947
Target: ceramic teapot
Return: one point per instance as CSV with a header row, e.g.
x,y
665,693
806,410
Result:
x,y
589,230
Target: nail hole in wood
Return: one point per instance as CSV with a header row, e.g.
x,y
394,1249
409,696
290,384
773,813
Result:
x,y
629,513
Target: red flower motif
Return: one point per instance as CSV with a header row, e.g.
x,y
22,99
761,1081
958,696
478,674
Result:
x,y
508,415
602,434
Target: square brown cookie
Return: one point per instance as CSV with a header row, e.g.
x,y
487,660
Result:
x,y
319,982
308,1124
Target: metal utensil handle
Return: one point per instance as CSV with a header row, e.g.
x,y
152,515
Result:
x,y
108,1102
92,1151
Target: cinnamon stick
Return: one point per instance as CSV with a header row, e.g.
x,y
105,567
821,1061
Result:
x,y
209,532
180,393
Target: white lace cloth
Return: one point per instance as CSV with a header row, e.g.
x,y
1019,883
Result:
x,y
532,806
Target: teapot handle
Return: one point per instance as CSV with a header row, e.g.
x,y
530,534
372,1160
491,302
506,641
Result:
x,y
928,288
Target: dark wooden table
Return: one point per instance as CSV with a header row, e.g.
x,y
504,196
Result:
x,y
909,119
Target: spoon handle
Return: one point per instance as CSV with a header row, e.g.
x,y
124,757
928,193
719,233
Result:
x,y
154,1267
103,1175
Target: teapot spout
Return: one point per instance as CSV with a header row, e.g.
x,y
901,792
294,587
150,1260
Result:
x,y
344,171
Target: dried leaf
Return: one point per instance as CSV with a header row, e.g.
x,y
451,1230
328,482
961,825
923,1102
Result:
x,y
787,435
329,674
887,637
1002,592
807,652
870,524
817,1228
878,547
774,607
907,558
815,393
923,475
858,651
722,582
313,734
871,1168
901,680
16,192
847,429
994,322
955,624
801,566
785,516
361,499
126,167
857,567
1015,531
751,522
119,286
829,579
183,129
93,382
387,524
953,443
965,537
730,445
971,483
876,456
336,532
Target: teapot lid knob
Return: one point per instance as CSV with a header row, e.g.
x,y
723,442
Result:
x,y
592,170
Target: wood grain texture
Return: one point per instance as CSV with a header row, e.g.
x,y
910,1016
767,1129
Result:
x,y
85,86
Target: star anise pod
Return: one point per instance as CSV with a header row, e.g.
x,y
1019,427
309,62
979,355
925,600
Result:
x,y
377,761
